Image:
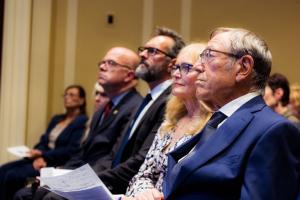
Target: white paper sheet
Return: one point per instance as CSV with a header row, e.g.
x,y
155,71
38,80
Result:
x,y
79,184
19,151
51,172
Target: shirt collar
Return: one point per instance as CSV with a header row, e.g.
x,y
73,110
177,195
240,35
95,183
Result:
x,y
118,98
229,108
157,90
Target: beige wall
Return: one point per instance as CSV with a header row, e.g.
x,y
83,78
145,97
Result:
x,y
69,37
277,21
95,36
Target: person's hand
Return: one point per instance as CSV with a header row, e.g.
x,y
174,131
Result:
x,y
151,194
34,153
39,163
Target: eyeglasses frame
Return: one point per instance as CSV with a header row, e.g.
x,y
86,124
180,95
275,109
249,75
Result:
x,y
141,49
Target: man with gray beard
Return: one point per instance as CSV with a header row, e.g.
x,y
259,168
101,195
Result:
x,y
157,57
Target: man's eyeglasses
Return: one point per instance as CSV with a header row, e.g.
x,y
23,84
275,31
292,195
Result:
x,y
184,68
153,51
207,55
111,63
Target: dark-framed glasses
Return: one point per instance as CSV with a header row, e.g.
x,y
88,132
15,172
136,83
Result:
x,y
111,63
184,68
153,51
207,55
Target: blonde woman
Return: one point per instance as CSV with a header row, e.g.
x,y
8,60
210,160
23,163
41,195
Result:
x,y
185,116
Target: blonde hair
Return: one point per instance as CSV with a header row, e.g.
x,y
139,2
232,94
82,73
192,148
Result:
x,y
175,108
295,94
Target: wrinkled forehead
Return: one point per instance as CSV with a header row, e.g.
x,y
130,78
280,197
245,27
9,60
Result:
x,y
220,41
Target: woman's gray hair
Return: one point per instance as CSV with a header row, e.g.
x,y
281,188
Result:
x,y
245,42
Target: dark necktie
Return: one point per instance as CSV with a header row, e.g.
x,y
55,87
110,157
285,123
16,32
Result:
x,y
211,126
216,119
207,131
118,156
107,109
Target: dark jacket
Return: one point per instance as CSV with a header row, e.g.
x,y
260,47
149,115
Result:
x,y
66,144
103,136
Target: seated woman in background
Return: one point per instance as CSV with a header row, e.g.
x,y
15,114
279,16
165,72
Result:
x,y
56,145
185,116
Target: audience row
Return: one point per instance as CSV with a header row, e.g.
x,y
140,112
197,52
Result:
x,y
203,131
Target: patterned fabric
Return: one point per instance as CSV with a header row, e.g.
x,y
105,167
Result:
x,y
153,170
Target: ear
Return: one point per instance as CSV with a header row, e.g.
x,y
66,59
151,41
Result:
x,y
130,76
278,93
245,69
172,62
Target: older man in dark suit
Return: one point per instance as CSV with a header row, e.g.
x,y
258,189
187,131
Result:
x,y
246,151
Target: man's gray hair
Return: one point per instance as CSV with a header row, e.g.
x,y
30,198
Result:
x,y
245,42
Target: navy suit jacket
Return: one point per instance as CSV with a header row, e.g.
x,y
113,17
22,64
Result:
x,y
254,154
66,144
103,136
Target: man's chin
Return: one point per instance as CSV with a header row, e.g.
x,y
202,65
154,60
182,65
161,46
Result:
x,y
141,72
202,94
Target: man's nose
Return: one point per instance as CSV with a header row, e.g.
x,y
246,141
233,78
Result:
x,y
198,66
102,67
143,54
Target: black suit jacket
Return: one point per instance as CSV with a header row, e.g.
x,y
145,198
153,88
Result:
x,y
102,137
117,179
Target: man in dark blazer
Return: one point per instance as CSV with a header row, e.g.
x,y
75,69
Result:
x,y
252,152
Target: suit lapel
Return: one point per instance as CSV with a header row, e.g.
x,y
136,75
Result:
x,y
107,121
173,158
153,107
97,127
219,141
96,119
114,112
